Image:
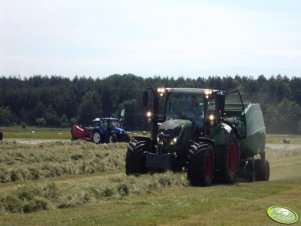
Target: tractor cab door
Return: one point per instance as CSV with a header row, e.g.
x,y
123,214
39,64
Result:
x,y
234,113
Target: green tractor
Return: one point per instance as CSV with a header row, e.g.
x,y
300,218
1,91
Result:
x,y
209,133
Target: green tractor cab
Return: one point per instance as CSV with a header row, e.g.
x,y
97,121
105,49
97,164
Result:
x,y
209,133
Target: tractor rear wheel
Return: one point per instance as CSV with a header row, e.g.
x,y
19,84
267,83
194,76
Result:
x,y
230,159
262,170
135,158
201,164
96,137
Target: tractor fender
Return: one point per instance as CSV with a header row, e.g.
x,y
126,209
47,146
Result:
x,y
222,138
148,140
221,134
206,140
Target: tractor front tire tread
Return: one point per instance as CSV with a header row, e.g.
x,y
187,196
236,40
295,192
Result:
x,y
197,164
135,158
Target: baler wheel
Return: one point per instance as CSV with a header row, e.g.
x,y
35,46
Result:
x,y
262,170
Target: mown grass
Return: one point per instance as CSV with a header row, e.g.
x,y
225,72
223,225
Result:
x,y
80,183
45,160
239,204
17,132
65,162
49,195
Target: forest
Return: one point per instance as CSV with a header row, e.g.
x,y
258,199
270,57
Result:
x,y
55,101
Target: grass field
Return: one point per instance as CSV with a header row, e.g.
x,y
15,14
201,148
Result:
x,y
34,133
80,183
17,132
278,139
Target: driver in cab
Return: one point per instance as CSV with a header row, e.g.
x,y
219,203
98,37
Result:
x,y
195,111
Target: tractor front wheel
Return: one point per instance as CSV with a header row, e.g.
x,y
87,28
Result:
x,y
127,138
113,138
135,158
201,164
96,137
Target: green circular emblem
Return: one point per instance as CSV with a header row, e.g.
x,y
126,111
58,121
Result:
x,y
282,215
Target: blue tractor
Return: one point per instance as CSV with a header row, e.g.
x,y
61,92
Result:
x,y
103,130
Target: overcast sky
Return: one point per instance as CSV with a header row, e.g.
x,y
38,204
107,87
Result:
x,y
189,38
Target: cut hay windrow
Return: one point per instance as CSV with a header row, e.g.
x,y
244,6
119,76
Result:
x,y
21,162
49,195
37,167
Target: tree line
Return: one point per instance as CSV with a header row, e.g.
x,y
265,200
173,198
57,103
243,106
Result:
x,y
57,101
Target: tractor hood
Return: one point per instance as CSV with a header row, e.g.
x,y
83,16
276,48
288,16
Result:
x,y
117,130
174,133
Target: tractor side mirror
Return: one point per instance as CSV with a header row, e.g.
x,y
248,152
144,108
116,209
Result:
x,y
145,99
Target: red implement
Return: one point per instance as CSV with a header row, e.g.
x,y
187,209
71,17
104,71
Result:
x,y
77,132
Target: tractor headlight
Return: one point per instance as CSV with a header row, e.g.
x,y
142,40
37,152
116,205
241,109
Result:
x,y
208,93
173,141
148,114
211,119
161,91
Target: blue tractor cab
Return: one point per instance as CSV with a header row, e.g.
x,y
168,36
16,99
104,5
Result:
x,y
108,130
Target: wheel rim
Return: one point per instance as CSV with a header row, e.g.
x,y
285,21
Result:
x,y
96,137
208,165
232,163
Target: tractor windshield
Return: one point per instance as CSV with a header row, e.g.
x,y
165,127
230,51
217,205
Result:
x,y
114,123
185,106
